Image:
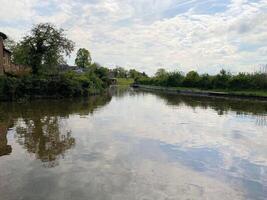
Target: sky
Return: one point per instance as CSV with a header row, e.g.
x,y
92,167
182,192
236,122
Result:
x,y
184,35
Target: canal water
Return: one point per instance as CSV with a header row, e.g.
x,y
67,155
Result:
x,y
130,144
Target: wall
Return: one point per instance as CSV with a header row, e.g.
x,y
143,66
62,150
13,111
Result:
x,y
1,55
6,66
16,69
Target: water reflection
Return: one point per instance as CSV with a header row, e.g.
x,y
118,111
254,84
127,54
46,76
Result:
x,y
5,149
45,137
222,106
242,108
39,126
137,145
5,123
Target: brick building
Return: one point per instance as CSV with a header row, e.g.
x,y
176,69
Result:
x,y
6,66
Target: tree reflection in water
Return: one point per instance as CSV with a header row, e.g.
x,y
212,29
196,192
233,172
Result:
x,y
46,138
5,124
39,125
242,108
5,149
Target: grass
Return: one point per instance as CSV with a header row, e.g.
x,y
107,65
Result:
x,y
238,92
259,93
125,81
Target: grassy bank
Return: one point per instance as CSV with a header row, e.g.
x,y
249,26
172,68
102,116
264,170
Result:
x,y
242,84
250,94
57,86
125,81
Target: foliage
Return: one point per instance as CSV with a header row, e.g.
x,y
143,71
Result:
x,y
83,58
125,81
161,73
43,48
191,79
134,74
68,84
119,72
101,72
222,81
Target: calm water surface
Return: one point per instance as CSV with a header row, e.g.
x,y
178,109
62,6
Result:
x,y
133,145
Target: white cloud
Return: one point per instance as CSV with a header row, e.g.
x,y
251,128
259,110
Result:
x,y
17,9
138,33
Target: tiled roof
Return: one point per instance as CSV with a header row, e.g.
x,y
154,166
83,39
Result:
x,y
3,35
7,50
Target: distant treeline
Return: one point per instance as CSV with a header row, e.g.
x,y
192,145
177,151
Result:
x,y
223,80
120,72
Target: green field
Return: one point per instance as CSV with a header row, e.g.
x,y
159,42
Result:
x,y
125,81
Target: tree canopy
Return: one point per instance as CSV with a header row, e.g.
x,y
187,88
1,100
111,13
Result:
x,y
161,72
45,47
83,58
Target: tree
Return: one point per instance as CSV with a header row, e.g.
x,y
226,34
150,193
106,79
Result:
x,y
174,79
191,79
83,58
222,79
161,73
120,72
44,47
134,74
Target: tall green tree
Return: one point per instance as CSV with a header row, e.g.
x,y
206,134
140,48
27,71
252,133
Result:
x,y
161,72
191,79
136,74
83,58
120,72
45,47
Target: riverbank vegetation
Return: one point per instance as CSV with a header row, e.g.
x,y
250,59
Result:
x,y
242,83
43,51
69,84
131,74
125,81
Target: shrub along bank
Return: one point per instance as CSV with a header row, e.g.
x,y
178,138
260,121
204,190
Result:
x,y
222,82
69,84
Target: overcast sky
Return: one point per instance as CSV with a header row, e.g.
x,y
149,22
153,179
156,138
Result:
x,y
203,35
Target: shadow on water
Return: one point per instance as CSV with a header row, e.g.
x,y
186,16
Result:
x,y
39,125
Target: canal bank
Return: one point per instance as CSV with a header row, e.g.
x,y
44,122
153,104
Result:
x,y
203,93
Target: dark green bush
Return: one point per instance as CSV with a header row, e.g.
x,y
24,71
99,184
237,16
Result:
x,y
69,84
223,80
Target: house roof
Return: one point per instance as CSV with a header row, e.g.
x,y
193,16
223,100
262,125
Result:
x,y
6,50
3,35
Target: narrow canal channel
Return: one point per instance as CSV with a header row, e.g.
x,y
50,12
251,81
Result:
x,y
134,145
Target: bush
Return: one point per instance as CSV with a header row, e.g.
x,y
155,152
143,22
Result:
x,y
223,80
69,84
174,79
192,79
